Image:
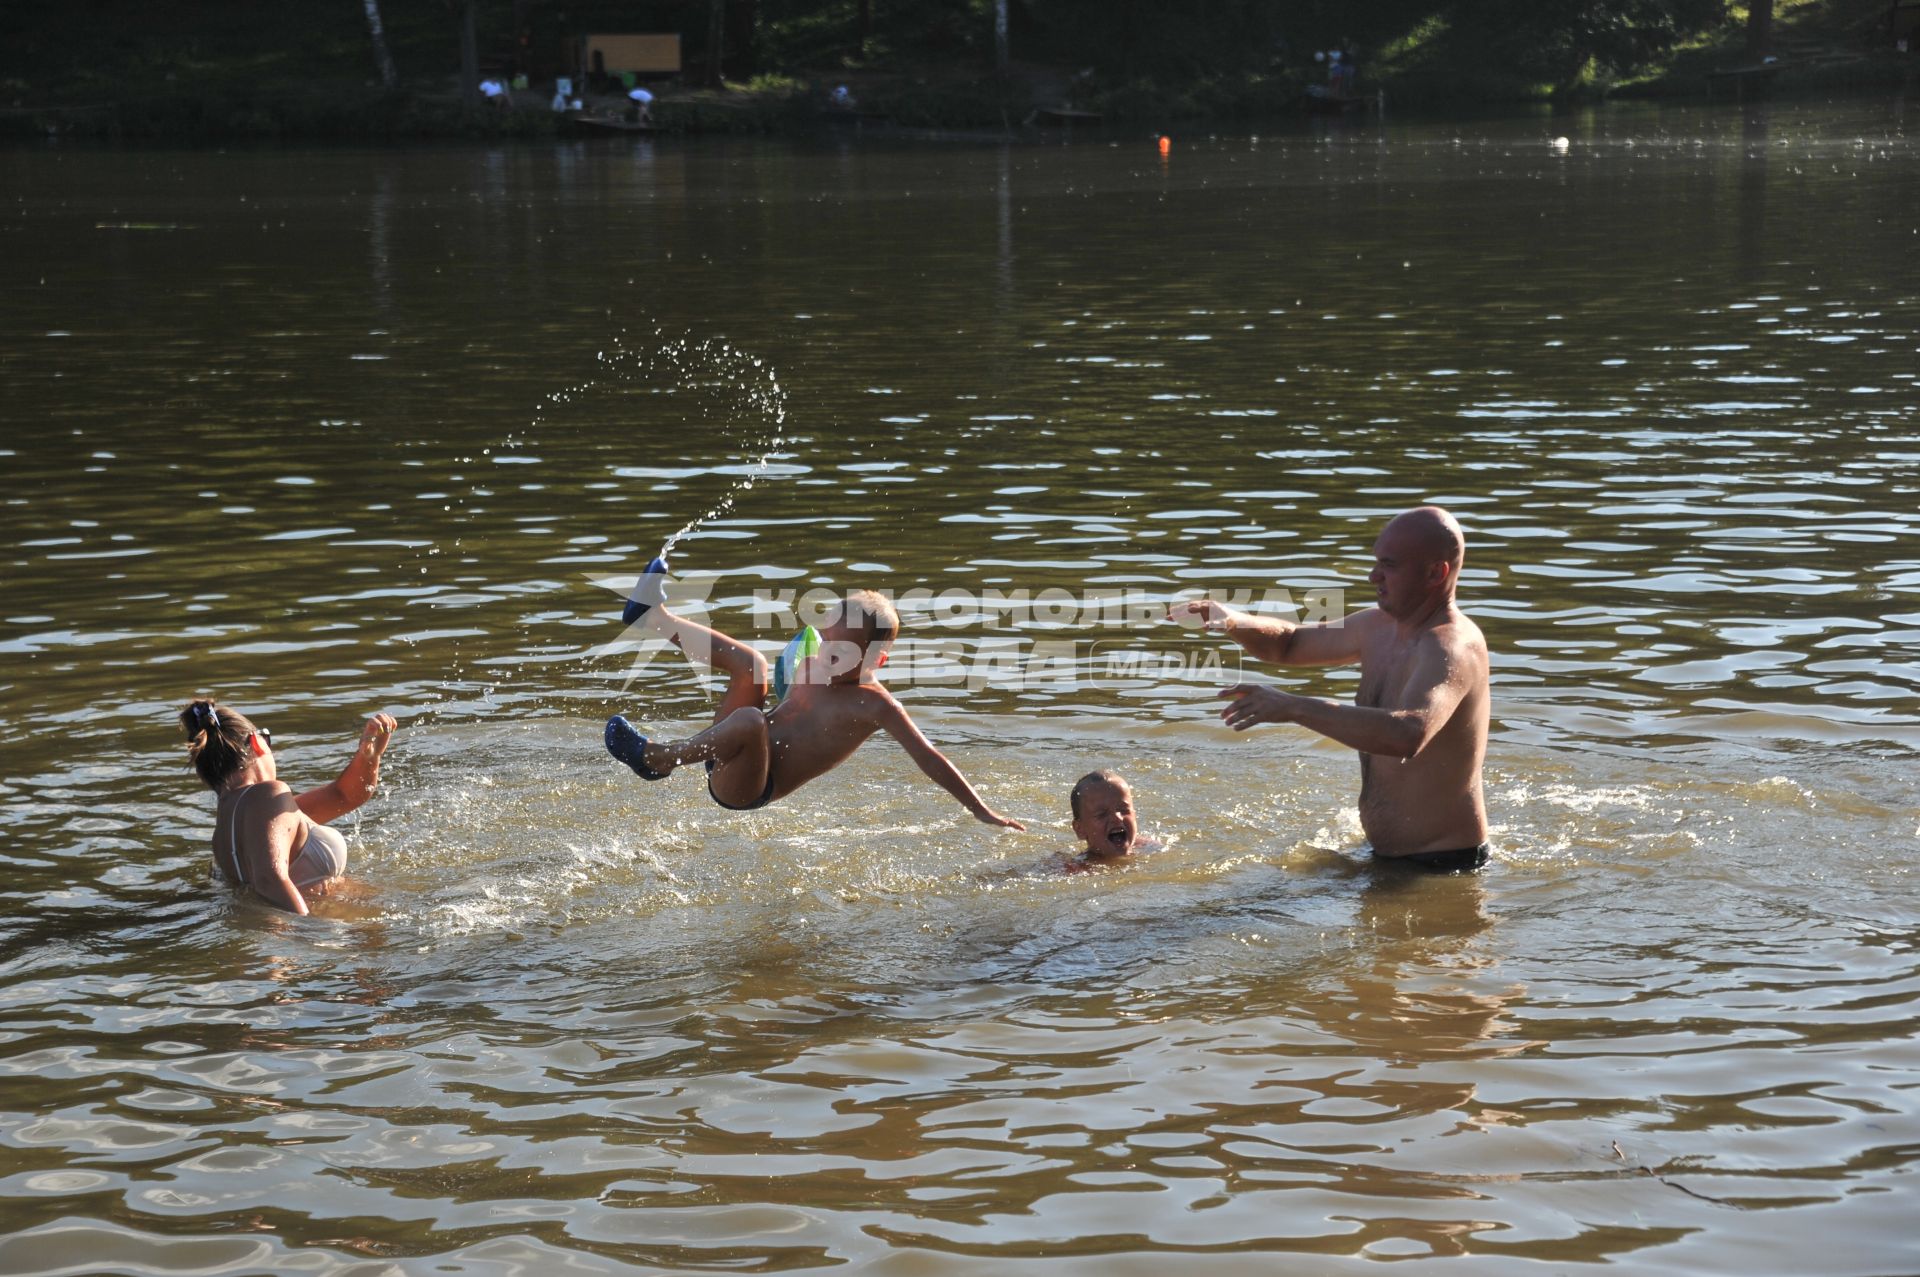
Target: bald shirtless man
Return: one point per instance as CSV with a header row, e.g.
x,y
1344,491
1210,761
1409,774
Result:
x,y
1420,719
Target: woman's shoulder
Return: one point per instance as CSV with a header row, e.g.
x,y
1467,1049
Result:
x,y
258,788
265,800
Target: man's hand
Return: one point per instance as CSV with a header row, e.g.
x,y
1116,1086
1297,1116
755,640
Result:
x,y
1206,614
989,816
1250,703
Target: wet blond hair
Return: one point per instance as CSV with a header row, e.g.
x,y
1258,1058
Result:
x,y
872,614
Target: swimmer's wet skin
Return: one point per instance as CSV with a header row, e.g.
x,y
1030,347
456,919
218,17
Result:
x,y
755,756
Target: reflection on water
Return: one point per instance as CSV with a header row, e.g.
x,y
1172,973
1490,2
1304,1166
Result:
x,y
321,432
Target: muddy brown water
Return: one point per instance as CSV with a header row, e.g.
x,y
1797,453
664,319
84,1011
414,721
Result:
x,y
331,432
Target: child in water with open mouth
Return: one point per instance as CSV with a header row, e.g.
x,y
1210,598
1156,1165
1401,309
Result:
x,y
1104,821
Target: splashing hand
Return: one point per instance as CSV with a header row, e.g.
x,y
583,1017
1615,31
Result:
x,y
377,733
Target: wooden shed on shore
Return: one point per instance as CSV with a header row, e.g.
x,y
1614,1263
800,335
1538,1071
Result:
x,y
643,56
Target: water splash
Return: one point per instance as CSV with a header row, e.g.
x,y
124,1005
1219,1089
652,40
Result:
x,y
707,389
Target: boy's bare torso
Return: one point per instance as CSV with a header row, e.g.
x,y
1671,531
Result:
x,y
818,726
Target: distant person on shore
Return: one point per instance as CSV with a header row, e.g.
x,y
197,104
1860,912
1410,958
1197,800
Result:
x,y
834,701
1104,821
640,108
265,836
1419,720
1341,73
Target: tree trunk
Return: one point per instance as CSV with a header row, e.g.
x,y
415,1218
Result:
x,y
743,36
716,39
469,56
1759,28
1000,35
865,30
382,58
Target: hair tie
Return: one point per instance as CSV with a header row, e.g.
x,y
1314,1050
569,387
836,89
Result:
x,y
205,711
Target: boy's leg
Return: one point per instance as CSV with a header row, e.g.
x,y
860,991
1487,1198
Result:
x,y
735,750
737,755
746,669
736,744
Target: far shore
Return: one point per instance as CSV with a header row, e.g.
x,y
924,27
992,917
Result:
x,y
905,106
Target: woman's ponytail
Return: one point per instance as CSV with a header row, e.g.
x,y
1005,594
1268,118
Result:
x,y
216,740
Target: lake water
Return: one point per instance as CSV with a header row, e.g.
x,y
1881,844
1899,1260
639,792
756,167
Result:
x,y
331,432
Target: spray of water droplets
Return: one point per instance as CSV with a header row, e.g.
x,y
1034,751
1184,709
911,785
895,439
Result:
x,y
709,393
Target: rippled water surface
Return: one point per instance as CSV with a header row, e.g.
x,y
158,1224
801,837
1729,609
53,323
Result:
x,y
326,433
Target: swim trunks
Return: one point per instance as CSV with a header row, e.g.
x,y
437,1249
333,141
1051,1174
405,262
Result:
x,y
1459,860
766,795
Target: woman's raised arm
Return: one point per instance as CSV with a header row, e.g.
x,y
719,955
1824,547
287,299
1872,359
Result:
x,y
357,781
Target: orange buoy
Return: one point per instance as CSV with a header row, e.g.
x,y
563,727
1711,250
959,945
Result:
x,y
1166,145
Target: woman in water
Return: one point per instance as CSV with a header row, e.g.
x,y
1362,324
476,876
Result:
x,y
265,836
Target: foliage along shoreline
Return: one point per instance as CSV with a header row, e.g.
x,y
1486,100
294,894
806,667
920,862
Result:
x,y
903,108
1426,58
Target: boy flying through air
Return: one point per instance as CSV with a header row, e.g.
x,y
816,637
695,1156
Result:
x,y
755,756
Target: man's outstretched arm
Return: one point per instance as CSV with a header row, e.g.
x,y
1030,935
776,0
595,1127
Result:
x,y
1278,642
1436,686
